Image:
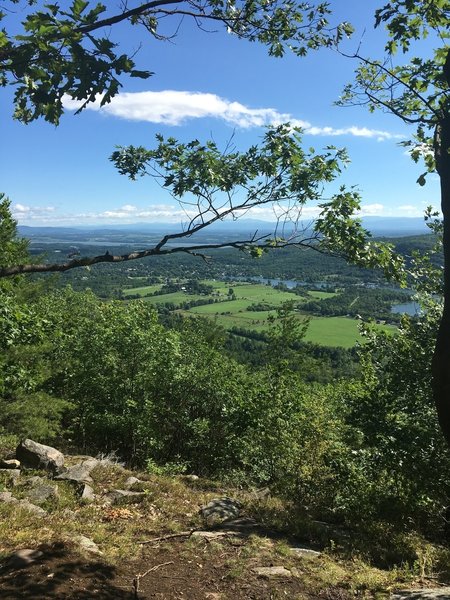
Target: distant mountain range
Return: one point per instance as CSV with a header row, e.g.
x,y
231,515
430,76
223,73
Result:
x,y
378,226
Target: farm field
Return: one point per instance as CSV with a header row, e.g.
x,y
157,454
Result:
x,y
337,331
233,311
340,332
142,291
176,298
321,295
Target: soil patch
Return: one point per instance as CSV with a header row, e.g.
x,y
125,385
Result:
x,y
174,571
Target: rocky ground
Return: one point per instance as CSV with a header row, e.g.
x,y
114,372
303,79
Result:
x,y
82,528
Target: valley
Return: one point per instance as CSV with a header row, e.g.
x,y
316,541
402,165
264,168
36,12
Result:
x,y
240,293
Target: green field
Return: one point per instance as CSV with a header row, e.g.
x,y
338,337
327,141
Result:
x,y
321,295
257,292
257,321
233,306
142,291
176,298
337,331
326,331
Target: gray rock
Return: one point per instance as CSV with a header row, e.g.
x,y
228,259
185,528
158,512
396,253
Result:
x,y
10,464
10,476
8,498
10,471
124,497
86,544
23,558
442,593
305,551
130,482
215,535
244,525
273,572
31,482
86,493
190,478
219,510
32,508
38,456
80,473
42,493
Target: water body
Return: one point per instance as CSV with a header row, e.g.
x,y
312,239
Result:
x,y
409,308
289,283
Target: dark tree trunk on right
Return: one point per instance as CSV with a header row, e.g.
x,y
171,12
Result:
x,y
441,358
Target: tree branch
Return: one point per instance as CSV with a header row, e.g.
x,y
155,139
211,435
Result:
x,y
399,81
134,12
157,250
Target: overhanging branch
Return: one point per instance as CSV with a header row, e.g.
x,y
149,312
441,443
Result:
x,y
128,14
262,242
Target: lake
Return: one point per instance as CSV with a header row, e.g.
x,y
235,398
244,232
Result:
x,y
410,308
289,283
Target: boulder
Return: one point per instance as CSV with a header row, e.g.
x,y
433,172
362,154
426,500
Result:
x,y
270,572
23,558
124,497
130,482
215,535
33,481
10,476
86,544
86,493
38,456
42,493
190,478
440,593
32,508
220,510
305,551
25,504
80,473
10,464
8,498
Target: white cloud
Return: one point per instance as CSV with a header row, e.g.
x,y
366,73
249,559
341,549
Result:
x,y
371,210
409,210
172,107
172,213
20,211
131,214
175,107
126,214
365,132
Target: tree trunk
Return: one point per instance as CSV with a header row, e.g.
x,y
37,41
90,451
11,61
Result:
x,y
441,358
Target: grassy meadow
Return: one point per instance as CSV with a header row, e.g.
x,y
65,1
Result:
x,y
233,311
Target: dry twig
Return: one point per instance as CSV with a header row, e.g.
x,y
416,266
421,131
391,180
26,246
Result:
x,y
139,576
169,536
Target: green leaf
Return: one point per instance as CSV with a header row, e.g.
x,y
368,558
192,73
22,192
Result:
x,y
78,7
422,179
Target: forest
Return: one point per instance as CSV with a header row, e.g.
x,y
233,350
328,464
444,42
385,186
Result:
x,y
320,407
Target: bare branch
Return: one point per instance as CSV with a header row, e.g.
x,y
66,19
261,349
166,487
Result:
x,y
263,242
134,12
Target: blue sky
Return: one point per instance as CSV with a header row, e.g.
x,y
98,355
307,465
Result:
x,y
206,84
